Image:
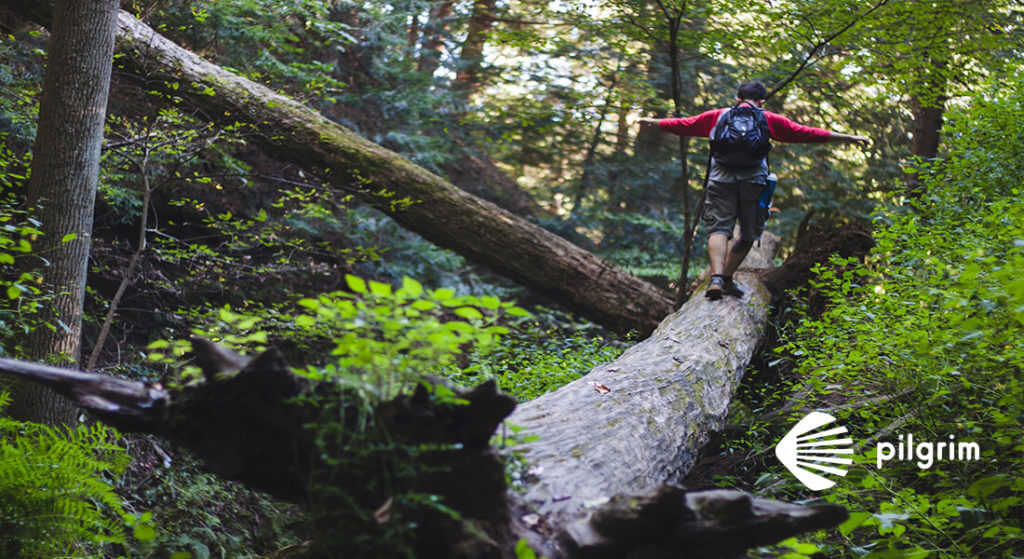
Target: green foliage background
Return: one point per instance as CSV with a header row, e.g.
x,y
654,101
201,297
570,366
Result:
x,y
252,252
924,338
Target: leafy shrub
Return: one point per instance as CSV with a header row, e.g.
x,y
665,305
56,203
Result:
x,y
56,498
380,341
931,326
535,359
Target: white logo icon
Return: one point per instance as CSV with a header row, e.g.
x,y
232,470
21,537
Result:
x,y
804,448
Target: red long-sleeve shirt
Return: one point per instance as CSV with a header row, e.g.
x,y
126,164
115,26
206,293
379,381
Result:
x,y
781,128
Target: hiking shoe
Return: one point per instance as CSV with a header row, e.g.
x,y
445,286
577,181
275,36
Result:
x,y
729,287
715,287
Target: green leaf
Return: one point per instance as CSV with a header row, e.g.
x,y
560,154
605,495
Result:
x,y
6,258
411,287
13,292
355,283
524,551
380,289
986,486
181,555
855,520
304,321
443,294
423,305
803,548
916,553
69,237
144,533
490,302
469,312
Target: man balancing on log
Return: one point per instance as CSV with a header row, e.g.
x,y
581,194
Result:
x,y
737,183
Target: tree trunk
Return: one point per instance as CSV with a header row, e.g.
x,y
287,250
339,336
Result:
x,y
417,199
927,124
925,144
928,105
62,187
433,36
471,58
637,423
622,130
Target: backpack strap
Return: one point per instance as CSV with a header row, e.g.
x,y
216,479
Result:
x,y
767,159
704,192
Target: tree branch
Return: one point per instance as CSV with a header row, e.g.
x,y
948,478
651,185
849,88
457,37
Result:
x,y
814,50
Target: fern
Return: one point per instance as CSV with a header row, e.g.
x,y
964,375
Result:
x,y
56,498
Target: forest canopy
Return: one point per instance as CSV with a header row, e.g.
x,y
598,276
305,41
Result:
x,y
563,233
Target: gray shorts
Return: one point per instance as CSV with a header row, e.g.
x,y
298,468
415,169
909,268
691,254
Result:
x,y
729,201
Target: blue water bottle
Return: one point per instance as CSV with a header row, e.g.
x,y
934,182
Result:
x,y
766,197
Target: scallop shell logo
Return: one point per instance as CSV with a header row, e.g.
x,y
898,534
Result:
x,y
805,448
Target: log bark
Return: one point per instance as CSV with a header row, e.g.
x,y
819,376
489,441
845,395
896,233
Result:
x,y
635,426
414,197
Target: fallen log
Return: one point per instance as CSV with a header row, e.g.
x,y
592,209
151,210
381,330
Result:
x,y
612,447
636,425
245,424
417,199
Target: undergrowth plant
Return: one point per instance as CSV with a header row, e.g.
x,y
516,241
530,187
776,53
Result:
x,y
923,339
370,344
537,357
56,494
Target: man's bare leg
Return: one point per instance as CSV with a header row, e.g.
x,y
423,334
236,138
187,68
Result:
x,y
736,255
724,262
718,247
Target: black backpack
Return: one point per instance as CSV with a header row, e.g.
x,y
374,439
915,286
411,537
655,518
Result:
x,y
741,137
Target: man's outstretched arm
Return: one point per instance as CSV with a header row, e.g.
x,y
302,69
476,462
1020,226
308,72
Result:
x,y
848,138
785,130
699,125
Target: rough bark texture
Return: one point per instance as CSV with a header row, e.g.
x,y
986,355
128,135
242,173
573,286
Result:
x,y
928,121
928,105
637,423
62,188
417,199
